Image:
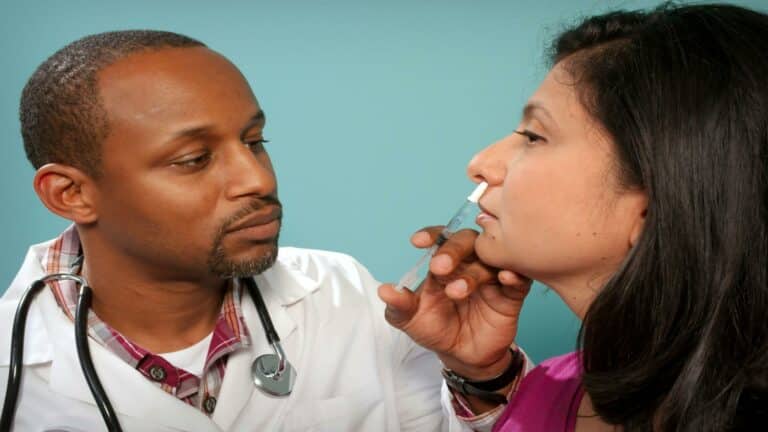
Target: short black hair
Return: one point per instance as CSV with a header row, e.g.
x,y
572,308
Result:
x,y
62,117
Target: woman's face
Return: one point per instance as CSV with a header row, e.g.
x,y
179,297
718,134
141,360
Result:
x,y
554,210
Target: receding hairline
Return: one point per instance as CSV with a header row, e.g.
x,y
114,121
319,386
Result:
x,y
61,118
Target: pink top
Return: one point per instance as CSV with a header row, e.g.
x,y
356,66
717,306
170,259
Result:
x,y
548,398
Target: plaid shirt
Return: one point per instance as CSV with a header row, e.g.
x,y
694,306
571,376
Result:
x,y
229,334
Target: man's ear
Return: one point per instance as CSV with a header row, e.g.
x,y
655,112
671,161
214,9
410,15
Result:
x,y
67,192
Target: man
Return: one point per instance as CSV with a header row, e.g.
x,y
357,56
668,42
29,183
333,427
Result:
x,y
152,145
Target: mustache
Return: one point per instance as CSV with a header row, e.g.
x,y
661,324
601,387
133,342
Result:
x,y
250,208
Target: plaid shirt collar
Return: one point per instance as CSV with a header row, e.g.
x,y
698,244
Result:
x,y
230,333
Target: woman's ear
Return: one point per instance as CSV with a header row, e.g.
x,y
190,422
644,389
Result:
x,y
67,192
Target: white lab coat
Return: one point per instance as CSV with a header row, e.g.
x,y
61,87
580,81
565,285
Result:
x,y
355,373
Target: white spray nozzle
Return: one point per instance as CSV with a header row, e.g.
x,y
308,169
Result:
x,y
478,192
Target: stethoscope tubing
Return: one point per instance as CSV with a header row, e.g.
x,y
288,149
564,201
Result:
x,y
83,350
86,362
17,352
266,322
81,342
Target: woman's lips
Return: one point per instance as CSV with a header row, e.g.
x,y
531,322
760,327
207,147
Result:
x,y
483,218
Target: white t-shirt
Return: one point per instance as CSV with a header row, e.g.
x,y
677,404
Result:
x,y
191,359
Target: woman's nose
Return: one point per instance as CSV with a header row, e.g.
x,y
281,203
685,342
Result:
x,y
489,165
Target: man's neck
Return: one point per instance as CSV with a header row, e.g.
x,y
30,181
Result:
x,y
158,315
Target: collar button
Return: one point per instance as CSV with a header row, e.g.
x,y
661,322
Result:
x,y
157,373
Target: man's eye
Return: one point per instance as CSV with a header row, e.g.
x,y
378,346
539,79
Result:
x,y
532,137
194,162
256,145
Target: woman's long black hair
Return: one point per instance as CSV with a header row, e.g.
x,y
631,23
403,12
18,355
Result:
x,y
678,338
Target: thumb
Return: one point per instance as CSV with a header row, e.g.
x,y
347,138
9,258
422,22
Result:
x,y
401,306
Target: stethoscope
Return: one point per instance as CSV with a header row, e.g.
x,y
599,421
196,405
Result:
x,y
272,373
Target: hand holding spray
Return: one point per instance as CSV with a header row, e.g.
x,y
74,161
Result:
x,y
410,279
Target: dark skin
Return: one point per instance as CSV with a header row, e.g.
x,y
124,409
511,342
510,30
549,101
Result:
x,y
461,309
183,158
182,162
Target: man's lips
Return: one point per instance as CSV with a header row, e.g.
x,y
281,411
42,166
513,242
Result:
x,y
258,218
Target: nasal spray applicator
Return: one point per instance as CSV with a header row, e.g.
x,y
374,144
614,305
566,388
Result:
x,y
410,279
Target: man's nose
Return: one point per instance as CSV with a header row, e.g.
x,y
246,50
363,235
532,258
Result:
x,y
249,172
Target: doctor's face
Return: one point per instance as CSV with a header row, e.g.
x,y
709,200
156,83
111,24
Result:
x,y
555,210
187,186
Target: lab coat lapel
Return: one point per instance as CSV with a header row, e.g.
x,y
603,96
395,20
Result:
x,y
281,287
130,393
36,345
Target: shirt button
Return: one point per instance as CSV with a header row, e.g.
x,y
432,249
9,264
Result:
x,y
209,404
157,373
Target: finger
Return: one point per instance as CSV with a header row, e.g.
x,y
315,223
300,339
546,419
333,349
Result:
x,y
426,236
401,305
507,277
517,291
458,248
469,278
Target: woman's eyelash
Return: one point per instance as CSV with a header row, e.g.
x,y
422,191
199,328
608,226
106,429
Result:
x,y
532,137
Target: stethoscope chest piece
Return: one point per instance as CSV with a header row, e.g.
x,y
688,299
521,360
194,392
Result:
x,y
267,376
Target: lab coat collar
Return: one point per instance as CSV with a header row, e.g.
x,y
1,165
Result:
x,y
285,280
50,337
130,394
282,286
37,349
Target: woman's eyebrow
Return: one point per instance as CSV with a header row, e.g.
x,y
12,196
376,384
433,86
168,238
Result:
x,y
532,108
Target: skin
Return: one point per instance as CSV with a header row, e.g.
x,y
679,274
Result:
x,y
183,165
554,211
183,162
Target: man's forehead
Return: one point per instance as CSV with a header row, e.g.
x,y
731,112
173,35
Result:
x,y
172,81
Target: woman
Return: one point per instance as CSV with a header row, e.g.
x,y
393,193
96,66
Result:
x,y
636,187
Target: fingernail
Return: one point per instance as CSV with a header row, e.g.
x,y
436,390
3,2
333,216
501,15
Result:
x,y
420,237
505,276
442,262
458,286
393,314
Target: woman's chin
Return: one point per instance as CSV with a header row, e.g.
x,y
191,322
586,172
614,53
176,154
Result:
x,y
490,251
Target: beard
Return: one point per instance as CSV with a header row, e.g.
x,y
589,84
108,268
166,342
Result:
x,y
223,265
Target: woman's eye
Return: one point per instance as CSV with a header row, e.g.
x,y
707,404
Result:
x,y
532,137
194,162
256,145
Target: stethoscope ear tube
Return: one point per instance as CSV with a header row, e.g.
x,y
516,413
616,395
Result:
x,y
17,353
86,364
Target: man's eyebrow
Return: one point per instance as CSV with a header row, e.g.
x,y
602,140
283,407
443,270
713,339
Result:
x,y
193,132
258,119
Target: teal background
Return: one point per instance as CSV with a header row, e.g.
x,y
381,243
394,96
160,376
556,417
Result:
x,y
374,109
